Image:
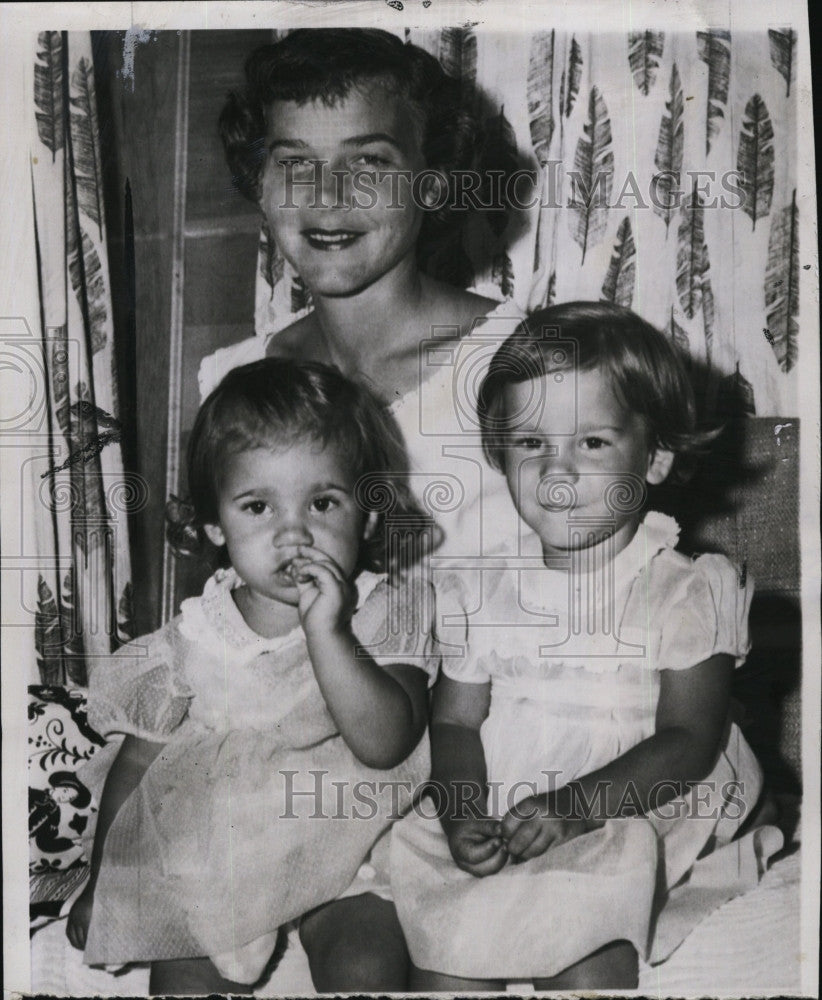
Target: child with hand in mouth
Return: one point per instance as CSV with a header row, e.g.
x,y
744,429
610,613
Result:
x,y
273,730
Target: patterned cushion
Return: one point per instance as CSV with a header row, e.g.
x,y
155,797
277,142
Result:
x,y
60,740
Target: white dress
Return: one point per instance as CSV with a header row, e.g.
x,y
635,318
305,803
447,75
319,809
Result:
x,y
574,662
245,790
449,475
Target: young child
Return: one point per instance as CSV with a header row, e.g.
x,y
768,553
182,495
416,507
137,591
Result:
x,y
589,782
351,143
259,723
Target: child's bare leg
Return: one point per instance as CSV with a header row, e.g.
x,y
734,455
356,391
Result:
x,y
355,945
614,967
190,977
424,981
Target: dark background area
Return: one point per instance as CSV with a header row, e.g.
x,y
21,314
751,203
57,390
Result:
x,y
220,231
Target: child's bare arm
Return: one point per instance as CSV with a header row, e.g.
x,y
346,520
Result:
x,y
459,773
380,711
690,720
457,757
130,764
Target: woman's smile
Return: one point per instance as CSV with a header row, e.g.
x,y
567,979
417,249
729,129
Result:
x,y
331,239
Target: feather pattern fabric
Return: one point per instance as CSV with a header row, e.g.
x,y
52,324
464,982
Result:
x,y
666,108
679,338
618,286
783,55
469,63
540,94
571,78
48,635
692,255
450,51
755,159
782,285
594,175
59,378
502,273
644,52
708,313
739,393
89,511
85,144
271,261
668,159
551,294
48,90
714,48
300,295
86,275
80,522
458,57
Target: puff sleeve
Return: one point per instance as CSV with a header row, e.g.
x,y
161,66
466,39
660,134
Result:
x,y
461,661
140,690
395,625
707,615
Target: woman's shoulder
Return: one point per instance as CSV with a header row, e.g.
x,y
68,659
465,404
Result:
x,y
466,308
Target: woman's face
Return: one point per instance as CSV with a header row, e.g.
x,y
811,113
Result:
x,y
346,223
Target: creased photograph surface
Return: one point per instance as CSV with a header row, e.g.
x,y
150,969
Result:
x,y
410,554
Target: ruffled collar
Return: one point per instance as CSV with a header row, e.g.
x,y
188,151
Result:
x,y
214,617
655,533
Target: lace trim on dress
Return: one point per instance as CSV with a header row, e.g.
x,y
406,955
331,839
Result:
x,y
546,590
540,591
214,617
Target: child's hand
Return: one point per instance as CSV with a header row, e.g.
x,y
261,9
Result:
x,y
476,846
531,827
326,597
80,917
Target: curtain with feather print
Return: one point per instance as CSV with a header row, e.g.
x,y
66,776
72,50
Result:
x,y
665,167
82,595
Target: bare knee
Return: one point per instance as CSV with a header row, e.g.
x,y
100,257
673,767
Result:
x,y
425,981
356,945
613,967
191,977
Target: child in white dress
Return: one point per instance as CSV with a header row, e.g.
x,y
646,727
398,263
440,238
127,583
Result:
x,y
261,721
589,783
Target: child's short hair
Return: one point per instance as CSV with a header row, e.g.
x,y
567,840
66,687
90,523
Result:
x,y
276,402
646,372
323,64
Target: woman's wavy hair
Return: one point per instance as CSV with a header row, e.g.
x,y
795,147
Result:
x,y
323,64
646,372
276,402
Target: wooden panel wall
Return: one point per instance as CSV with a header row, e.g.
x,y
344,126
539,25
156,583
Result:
x,y
216,247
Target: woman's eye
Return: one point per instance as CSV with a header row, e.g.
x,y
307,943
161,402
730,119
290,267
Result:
x,y
369,161
294,162
323,504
